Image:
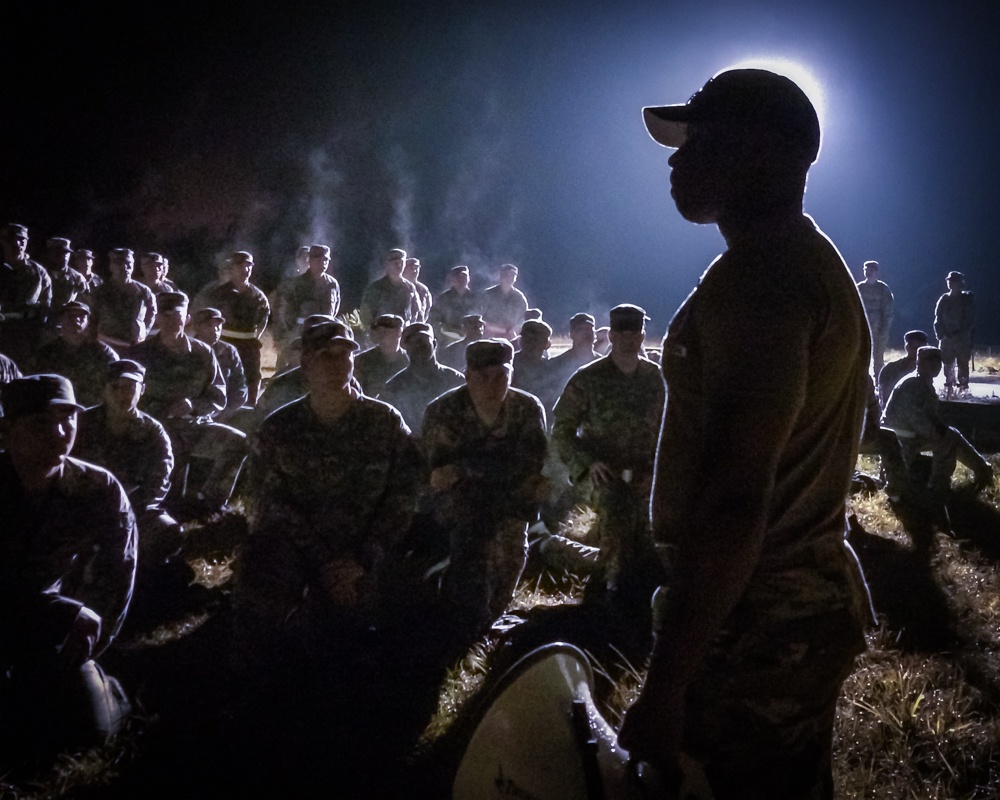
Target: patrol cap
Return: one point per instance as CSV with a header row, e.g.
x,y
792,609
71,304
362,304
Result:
x,y
242,257
83,253
319,251
205,314
156,258
535,326
955,275
417,329
171,301
459,268
533,314
923,353
395,255
120,252
415,262
488,353
472,319
754,101
58,245
75,307
36,394
326,333
581,318
508,268
391,321
316,319
126,368
13,229
915,336
627,317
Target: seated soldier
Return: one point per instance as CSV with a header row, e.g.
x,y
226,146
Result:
x,y
376,365
76,354
473,329
185,390
913,413
411,391
533,372
67,564
893,372
485,446
207,325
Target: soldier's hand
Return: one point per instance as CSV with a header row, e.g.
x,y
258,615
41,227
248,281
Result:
x,y
340,581
78,646
181,408
443,478
600,473
651,731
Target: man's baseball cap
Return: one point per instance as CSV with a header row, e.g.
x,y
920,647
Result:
x,y
627,317
13,229
75,307
57,244
417,329
915,336
954,275
488,353
319,251
205,314
581,318
751,100
171,301
83,253
391,321
325,333
126,368
36,394
535,326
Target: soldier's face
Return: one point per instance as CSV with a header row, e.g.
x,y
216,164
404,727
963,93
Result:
x,y
331,368
489,384
15,247
700,176
83,264
508,278
74,322
394,266
242,271
460,280
122,395
318,264
42,440
121,266
419,348
411,269
583,334
209,330
627,342
171,322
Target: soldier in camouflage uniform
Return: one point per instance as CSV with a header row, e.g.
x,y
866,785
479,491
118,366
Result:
x,y
25,295
473,329
504,305
485,446
766,365
76,355
67,565
897,369
877,300
124,309
83,262
913,413
954,323
606,425
452,305
153,273
390,294
207,324
582,334
185,390
315,291
67,283
411,271
377,364
533,371
412,390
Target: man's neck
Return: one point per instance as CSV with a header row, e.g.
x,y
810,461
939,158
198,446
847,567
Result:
x,y
331,404
35,478
626,362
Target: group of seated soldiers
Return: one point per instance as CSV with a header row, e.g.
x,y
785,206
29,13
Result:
x,y
441,421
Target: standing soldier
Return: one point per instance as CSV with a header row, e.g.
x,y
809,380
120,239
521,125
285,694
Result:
x,y
315,291
452,305
877,300
411,271
76,355
153,274
606,425
125,309
533,371
954,322
504,305
67,283
390,294
25,295
83,262
245,311
485,445
377,364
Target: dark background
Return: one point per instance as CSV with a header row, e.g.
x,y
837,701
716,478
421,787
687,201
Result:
x,y
487,132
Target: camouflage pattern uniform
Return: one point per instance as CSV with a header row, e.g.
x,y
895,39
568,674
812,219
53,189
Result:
x,y
85,366
25,300
231,365
373,368
67,285
305,295
447,312
537,378
124,314
487,511
954,322
413,389
605,415
891,374
504,310
878,302
425,299
382,296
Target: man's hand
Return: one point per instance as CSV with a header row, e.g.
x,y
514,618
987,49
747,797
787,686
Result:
x,y
600,473
339,579
182,408
79,644
443,478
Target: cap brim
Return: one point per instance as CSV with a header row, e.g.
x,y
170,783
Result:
x,y
66,404
667,125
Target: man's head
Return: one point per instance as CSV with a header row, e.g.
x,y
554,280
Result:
x,y
488,370
319,259
387,331
58,252
121,263
83,261
582,330
395,260
172,313
73,319
929,361
411,269
536,338
508,275
418,342
151,267
241,267
473,327
745,142
458,278
913,341
956,281
14,241
628,329
871,270
39,422
302,258
207,324
124,384
328,355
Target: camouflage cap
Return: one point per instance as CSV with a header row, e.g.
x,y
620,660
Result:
x,y
156,258
508,268
582,318
472,319
12,229
316,319
627,317
924,353
36,394
536,326
533,314
488,353
75,307
205,314
326,333
171,301
915,336
417,329
241,257
57,244
391,321
126,368
459,268
319,251
83,252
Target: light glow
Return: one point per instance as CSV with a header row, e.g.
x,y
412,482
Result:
x,y
797,72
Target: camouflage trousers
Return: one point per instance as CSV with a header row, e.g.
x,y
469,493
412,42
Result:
x,y
622,531
485,568
948,449
956,354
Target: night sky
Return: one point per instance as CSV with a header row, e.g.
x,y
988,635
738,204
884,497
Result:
x,y
485,132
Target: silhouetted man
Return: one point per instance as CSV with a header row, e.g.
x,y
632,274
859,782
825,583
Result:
x,y
390,294
877,300
124,308
25,295
954,322
504,305
766,365
899,368
452,305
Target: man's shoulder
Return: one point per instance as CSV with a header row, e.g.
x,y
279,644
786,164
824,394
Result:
x,y
82,477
